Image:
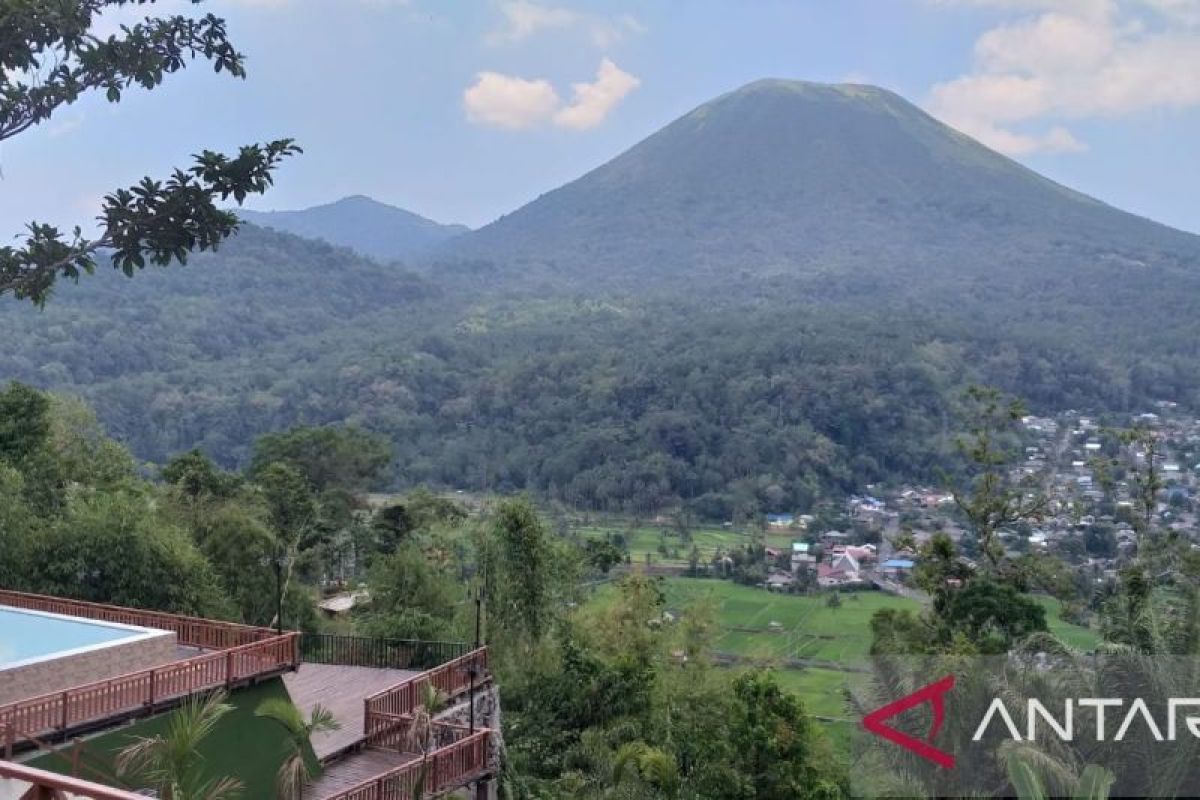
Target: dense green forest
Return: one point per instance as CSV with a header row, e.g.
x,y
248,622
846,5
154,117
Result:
x,y
594,698
606,694
775,299
612,403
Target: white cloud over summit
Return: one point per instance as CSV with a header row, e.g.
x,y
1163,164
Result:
x,y
1065,60
525,18
514,103
591,102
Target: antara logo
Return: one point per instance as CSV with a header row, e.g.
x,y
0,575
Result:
x,y
1065,728
934,695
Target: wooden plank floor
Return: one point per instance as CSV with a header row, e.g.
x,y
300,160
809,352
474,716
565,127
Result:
x,y
342,690
354,769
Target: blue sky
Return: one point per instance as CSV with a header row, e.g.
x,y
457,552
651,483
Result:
x,y
463,110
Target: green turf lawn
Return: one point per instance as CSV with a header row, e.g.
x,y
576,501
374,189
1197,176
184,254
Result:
x,y
243,746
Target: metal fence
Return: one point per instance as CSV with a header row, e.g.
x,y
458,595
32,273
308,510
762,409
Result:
x,y
364,651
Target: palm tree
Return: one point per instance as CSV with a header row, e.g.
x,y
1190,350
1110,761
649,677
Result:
x,y
420,734
171,761
294,772
1030,773
652,766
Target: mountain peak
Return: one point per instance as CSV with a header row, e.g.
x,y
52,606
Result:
x,y
817,88
362,223
360,199
793,179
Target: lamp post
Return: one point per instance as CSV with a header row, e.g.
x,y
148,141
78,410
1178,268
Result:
x,y
478,616
473,667
278,562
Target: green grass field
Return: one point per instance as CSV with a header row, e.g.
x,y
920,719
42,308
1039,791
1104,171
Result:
x,y
820,689
807,627
645,540
810,629
1085,639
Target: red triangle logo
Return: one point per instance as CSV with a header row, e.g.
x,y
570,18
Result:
x,y
934,694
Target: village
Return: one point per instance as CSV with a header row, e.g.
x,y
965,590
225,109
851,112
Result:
x,y
1086,475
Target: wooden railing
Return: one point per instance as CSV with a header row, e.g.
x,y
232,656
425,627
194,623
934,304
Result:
x,y
39,783
62,711
79,758
450,679
390,732
191,631
442,770
378,653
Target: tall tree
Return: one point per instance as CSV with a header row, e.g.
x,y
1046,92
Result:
x,y
50,56
516,557
24,423
1147,481
993,500
329,458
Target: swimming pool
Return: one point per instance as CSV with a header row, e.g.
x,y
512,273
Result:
x,y
29,635
42,653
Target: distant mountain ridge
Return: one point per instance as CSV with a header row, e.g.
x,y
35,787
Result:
x,y
799,180
372,228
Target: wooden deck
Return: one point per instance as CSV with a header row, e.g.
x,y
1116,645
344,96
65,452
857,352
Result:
x,y
354,769
343,691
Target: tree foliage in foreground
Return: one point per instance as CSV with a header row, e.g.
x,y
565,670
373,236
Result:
x,y
50,56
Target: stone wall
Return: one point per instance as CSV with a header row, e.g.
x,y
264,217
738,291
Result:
x,y
487,715
96,664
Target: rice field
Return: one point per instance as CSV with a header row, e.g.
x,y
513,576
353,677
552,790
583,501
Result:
x,y
646,540
759,624
775,628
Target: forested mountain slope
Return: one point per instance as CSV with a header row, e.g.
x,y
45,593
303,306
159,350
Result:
x,y
794,179
776,298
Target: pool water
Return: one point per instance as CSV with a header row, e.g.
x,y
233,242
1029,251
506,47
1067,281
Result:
x,y
28,635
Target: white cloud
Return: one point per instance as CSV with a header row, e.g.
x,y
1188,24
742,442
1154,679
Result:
x,y
513,103
65,126
525,18
1072,60
607,32
272,4
1185,11
1084,7
591,102
504,101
